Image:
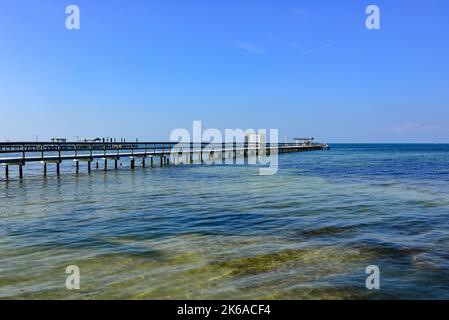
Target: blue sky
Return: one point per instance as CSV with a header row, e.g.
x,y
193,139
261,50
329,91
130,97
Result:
x,y
143,68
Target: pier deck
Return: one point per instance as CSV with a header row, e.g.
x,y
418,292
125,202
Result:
x,y
19,153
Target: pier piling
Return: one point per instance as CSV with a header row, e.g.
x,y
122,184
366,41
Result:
x,y
45,169
7,172
21,172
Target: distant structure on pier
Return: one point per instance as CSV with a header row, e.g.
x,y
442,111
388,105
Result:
x,y
111,140
58,140
253,138
91,140
304,141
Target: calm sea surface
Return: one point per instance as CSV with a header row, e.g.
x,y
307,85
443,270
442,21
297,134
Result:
x,y
218,232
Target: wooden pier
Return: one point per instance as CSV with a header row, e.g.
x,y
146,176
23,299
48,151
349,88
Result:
x,y
17,154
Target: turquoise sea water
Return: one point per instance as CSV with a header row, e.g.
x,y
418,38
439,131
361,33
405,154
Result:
x,y
211,232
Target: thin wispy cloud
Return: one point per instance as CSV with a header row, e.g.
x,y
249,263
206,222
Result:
x,y
248,47
316,49
418,127
306,51
291,44
298,12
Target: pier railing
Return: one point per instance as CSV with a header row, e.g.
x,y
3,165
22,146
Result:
x,y
19,153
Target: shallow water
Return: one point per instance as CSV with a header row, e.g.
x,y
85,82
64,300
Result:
x,y
211,232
